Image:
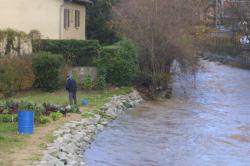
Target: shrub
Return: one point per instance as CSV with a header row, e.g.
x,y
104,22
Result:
x,y
120,62
15,74
43,120
26,106
46,67
88,83
74,109
56,115
6,118
7,80
100,82
75,52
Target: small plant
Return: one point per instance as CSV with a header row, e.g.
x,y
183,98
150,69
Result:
x,y
88,82
39,111
56,116
102,114
26,106
43,120
6,118
74,109
10,106
2,108
88,114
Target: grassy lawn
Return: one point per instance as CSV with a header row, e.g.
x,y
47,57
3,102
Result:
x,y
12,142
9,138
96,98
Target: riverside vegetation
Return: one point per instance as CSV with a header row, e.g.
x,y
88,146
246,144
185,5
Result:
x,y
38,79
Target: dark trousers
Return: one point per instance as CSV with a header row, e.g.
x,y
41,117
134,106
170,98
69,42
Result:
x,y
72,98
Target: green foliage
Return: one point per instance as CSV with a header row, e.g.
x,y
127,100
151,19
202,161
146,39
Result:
x,y
26,106
75,52
44,119
100,82
74,109
88,114
88,83
102,114
46,67
98,98
11,36
120,61
10,104
98,22
56,116
39,112
5,118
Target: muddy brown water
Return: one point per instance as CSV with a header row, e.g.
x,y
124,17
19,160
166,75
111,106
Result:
x,y
208,125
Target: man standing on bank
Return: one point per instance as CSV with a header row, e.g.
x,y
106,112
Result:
x,y
71,87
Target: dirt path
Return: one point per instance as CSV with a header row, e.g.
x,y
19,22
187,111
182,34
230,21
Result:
x,y
36,143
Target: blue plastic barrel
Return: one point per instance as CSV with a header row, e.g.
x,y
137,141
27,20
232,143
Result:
x,y
25,122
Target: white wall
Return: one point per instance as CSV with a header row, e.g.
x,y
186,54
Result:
x,y
72,32
25,15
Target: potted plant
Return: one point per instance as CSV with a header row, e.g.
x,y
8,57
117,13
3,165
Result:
x,y
26,117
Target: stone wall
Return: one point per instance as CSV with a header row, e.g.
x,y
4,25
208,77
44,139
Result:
x,y
73,138
79,73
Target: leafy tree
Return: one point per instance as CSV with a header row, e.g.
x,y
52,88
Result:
x,y
98,22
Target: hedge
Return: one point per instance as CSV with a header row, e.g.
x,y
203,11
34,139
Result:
x,y
75,52
15,74
46,67
119,63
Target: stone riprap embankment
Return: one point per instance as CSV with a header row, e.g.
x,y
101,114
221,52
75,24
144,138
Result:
x,y
73,138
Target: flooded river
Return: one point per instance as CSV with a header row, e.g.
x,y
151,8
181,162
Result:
x,y
208,125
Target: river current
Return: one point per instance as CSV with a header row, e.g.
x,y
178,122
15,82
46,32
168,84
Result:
x,y
205,123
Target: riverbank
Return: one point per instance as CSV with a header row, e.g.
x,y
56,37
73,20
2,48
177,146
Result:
x,y
240,61
73,138
16,149
21,150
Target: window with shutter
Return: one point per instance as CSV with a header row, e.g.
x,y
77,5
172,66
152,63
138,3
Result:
x,y
66,18
77,18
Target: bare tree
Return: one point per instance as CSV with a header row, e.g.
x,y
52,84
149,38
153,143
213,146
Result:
x,y
161,28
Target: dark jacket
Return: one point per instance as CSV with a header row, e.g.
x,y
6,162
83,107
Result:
x,y
71,85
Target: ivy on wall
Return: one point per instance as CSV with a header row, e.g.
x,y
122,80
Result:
x,y
11,40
